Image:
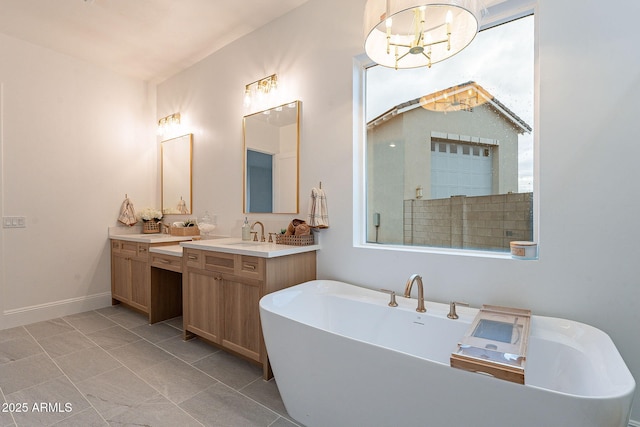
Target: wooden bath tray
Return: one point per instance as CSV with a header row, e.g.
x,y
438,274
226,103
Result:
x,y
495,343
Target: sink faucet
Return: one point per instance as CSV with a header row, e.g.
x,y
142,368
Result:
x,y
407,291
255,237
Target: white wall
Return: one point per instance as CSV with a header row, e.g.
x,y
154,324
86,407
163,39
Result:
x,y
589,79
75,139
209,95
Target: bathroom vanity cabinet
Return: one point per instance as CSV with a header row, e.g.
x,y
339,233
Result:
x,y
145,281
221,292
130,274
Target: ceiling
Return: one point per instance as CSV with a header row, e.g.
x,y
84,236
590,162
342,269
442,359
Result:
x,y
147,39
154,39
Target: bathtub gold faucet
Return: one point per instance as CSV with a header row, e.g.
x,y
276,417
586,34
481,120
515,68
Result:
x,y
407,291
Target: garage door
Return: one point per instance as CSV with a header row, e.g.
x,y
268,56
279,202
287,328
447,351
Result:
x,y
460,169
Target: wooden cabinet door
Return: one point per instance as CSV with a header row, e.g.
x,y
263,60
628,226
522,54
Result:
x,y
120,277
140,284
202,299
242,318
131,274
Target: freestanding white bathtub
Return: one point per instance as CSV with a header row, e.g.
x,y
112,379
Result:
x,y
342,357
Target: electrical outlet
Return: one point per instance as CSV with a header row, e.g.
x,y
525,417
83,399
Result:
x,y
14,222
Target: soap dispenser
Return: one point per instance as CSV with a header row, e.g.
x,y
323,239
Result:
x,y
246,230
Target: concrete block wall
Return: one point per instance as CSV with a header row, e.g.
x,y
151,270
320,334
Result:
x,y
481,222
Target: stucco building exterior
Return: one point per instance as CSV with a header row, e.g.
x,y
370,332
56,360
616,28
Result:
x,y
457,141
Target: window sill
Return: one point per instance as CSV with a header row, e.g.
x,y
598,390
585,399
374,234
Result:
x,y
440,251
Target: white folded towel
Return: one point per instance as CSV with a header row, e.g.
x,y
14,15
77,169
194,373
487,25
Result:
x,y
318,210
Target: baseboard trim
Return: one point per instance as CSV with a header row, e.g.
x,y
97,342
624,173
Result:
x,y
51,310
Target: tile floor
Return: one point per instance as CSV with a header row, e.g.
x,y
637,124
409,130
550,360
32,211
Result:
x,y
109,367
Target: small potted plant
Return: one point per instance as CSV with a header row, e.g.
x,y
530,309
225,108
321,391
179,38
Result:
x,y
151,220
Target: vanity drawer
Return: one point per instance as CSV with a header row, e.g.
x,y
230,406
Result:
x,y
143,251
124,247
167,262
219,261
193,258
131,249
251,266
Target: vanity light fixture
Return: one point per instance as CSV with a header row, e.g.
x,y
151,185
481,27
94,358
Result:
x,y
166,124
418,33
264,86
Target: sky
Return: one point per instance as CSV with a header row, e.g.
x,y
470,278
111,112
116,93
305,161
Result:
x,y
499,59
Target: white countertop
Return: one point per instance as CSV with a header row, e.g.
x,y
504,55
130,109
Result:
x,y
172,250
251,248
150,238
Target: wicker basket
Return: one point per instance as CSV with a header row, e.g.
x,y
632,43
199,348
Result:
x,y
282,239
184,231
149,227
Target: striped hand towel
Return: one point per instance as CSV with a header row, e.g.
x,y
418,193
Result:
x,y
127,213
318,211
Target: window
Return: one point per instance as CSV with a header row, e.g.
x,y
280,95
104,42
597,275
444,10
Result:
x,y
449,150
